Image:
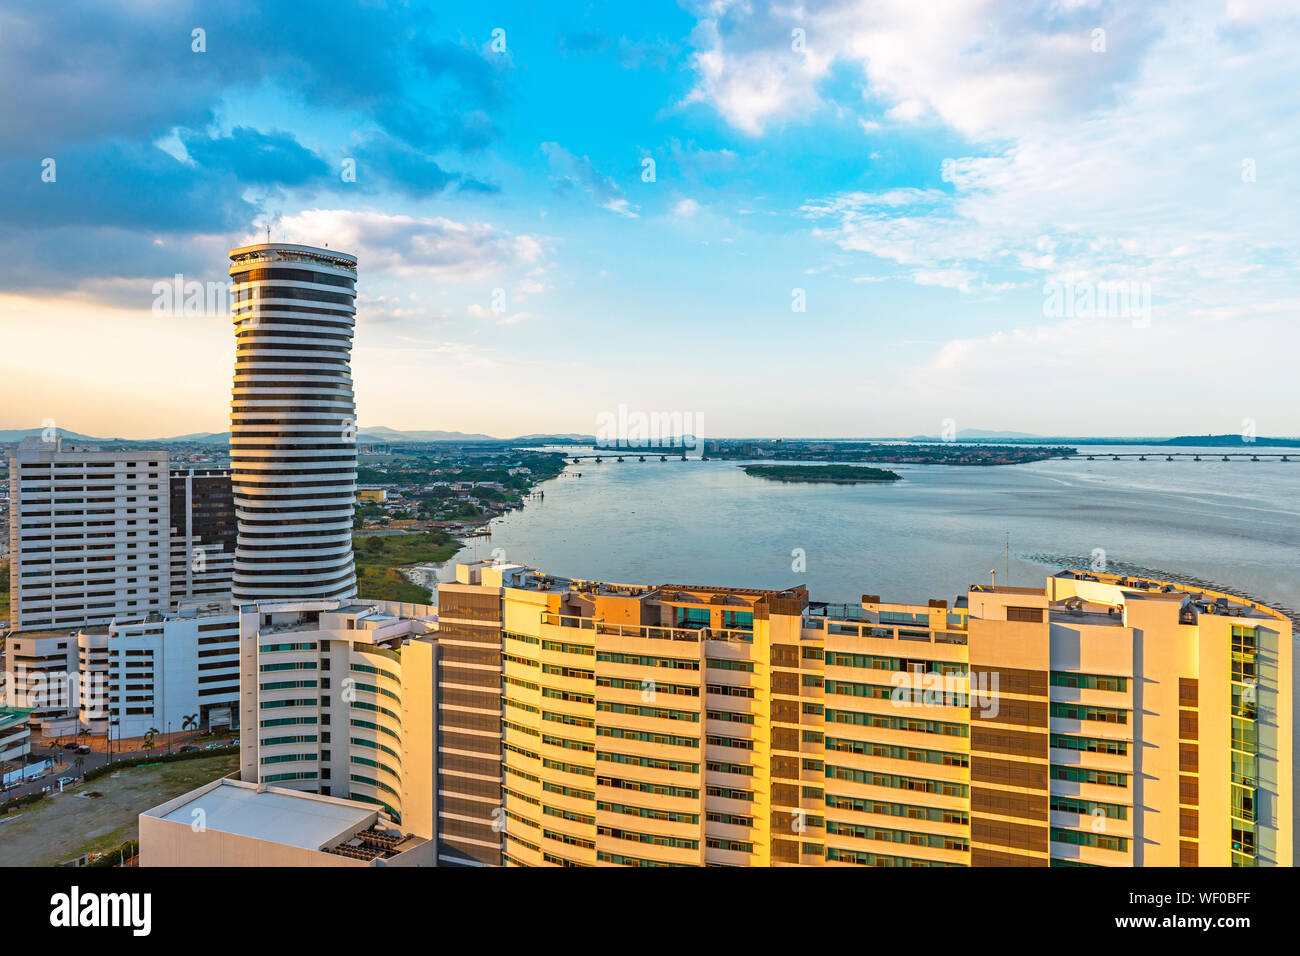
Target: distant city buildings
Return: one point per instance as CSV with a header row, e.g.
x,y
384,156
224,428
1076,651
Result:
x,y
293,444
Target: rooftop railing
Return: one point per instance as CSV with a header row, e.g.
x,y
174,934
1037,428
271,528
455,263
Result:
x,y
650,631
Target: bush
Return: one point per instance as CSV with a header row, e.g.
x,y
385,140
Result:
x,y
97,772
123,851
17,803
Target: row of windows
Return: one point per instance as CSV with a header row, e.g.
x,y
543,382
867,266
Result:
x,y
1089,681
910,837
1106,715
872,778
894,752
1093,745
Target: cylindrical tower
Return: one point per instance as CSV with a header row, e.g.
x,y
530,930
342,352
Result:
x,y
293,456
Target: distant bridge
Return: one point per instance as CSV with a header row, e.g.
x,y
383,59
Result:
x,y
599,459
1194,456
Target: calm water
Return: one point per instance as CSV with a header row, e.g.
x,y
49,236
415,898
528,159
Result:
x,y
1235,524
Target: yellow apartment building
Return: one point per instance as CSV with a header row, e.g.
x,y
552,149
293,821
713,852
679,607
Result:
x,y
1095,721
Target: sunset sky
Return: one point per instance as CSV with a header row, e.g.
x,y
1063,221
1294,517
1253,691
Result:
x,y
921,177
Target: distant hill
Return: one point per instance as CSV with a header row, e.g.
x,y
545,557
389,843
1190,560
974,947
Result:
x,y
1218,441
18,434
980,434
377,435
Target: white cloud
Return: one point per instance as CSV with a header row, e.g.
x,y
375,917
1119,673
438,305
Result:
x,y
414,247
980,66
1148,187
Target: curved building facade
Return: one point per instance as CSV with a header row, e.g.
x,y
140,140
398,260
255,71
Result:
x,y
293,422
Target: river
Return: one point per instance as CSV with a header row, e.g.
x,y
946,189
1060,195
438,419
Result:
x,y
1233,524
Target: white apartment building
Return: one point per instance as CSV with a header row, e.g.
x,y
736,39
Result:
x,y
340,698
167,672
88,534
42,676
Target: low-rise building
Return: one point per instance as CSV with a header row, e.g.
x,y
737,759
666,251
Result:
x,y
15,735
232,823
161,672
42,677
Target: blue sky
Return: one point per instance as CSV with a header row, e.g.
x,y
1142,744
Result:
x,y
922,177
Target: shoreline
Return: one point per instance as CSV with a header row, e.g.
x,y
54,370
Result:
x,y
480,530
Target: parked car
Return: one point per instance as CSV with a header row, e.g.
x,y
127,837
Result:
x,y
187,748
83,749
70,746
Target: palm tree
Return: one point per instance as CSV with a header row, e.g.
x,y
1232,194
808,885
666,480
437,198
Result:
x,y
79,763
148,738
191,722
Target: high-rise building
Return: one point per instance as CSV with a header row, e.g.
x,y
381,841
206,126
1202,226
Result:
x,y
293,422
469,719
88,534
202,534
1096,720
340,699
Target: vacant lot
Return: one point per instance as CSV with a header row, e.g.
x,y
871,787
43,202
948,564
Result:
x,y
378,556
63,826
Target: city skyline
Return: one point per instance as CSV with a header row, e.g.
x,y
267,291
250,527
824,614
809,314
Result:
x,y
943,237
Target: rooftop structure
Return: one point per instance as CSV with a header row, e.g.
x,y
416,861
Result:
x,y
232,823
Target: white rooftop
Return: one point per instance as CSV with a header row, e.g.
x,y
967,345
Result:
x,y
292,819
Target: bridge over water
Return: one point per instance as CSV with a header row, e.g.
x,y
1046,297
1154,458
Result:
x,y
1193,456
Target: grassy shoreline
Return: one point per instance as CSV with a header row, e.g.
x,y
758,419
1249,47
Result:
x,y
379,565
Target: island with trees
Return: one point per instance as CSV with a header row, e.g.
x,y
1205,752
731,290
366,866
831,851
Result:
x,y
822,474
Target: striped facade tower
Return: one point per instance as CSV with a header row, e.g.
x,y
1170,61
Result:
x,y
293,422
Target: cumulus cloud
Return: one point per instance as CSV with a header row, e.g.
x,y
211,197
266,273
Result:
x,y
131,119
979,66
1162,182
413,247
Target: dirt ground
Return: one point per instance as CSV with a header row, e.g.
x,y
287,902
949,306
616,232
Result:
x,y
63,826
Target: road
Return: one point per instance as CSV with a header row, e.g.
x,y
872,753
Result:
x,y
98,756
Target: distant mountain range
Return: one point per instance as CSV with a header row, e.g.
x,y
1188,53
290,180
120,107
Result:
x,y
379,434
979,434
382,435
